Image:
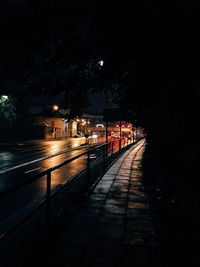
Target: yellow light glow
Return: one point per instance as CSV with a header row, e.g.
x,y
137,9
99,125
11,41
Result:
x,y
55,107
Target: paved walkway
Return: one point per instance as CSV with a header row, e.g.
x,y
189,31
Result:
x,y
114,227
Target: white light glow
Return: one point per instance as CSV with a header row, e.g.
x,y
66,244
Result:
x,y
101,62
55,107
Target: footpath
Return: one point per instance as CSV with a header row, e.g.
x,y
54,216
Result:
x,y
114,227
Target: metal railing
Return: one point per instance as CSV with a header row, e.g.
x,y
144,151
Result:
x,y
97,161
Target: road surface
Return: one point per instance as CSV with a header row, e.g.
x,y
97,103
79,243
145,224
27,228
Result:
x,y
27,160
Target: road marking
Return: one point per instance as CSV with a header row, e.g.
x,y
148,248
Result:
x,y
33,170
39,159
21,165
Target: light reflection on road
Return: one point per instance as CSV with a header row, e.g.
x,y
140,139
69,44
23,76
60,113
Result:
x,y
38,188
11,156
64,173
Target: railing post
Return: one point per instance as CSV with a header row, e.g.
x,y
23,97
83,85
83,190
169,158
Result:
x,y
48,197
106,152
104,159
112,144
120,135
88,168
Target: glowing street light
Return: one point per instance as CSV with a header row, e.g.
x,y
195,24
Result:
x,y
3,98
55,107
101,63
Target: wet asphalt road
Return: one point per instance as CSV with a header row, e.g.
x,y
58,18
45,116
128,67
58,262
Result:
x,y
22,161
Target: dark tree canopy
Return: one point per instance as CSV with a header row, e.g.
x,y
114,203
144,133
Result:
x,y
151,54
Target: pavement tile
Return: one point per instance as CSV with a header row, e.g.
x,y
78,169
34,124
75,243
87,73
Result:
x,y
124,173
104,248
109,175
101,190
119,188
133,239
97,196
125,168
75,236
67,255
139,227
136,172
121,182
137,205
142,221
139,213
114,168
100,262
122,177
103,186
135,178
116,201
89,211
116,209
83,222
137,198
110,218
140,256
139,187
94,203
136,192
112,173
136,183
105,183
108,231
118,194
108,179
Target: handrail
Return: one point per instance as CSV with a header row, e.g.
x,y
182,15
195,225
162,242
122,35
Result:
x,y
43,173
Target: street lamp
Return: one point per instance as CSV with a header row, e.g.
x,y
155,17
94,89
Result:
x,y
55,107
4,97
101,62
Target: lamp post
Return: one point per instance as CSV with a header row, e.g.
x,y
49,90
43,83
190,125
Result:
x,y
54,109
88,122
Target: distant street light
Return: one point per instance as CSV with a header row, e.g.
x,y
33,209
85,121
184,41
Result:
x,y
55,107
4,97
101,62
